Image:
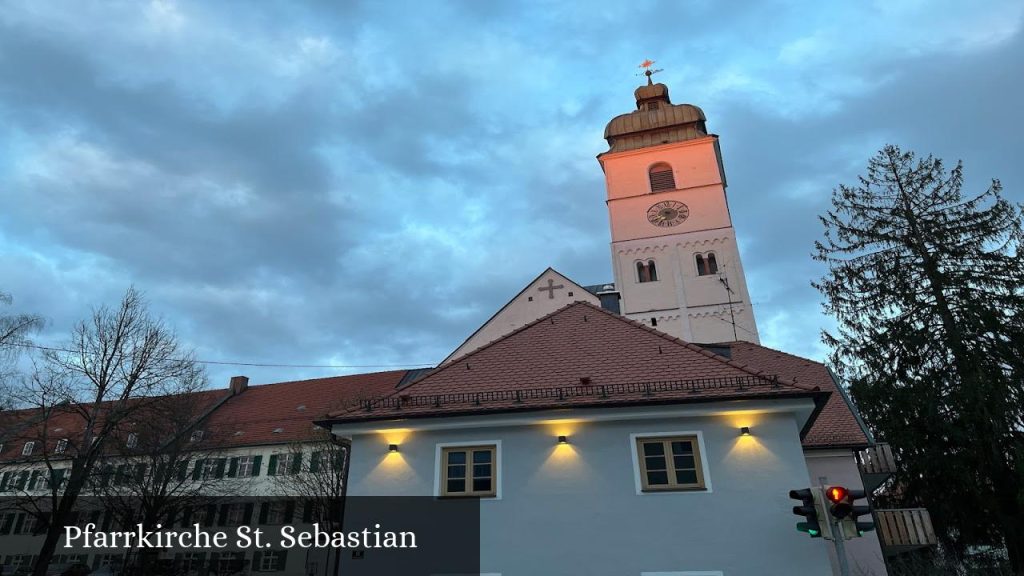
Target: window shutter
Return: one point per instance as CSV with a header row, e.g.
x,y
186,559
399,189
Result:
x,y
222,518
34,482
264,510
198,470
307,512
339,459
256,465
214,557
8,521
282,558
186,516
289,511
221,462
256,557
22,480
272,466
18,524
297,463
182,470
247,516
314,463
233,467
662,180
58,477
3,481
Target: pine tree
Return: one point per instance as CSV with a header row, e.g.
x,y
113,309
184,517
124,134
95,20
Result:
x,y
926,285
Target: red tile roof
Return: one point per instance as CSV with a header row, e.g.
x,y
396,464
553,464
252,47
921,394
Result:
x,y
251,418
579,355
836,426
68,422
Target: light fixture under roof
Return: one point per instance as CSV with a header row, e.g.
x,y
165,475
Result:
x,y
278,430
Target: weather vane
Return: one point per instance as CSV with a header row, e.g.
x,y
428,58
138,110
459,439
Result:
x,y
646,65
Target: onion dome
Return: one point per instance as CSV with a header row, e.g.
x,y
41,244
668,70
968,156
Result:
x,y
656,121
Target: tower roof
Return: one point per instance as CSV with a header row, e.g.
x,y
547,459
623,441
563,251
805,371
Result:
x,y
656,121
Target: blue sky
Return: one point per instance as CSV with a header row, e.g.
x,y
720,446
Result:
x,y
364,183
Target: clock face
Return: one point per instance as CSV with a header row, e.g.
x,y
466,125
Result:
x,y
667,213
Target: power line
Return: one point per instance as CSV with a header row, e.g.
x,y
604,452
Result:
x,y
250,364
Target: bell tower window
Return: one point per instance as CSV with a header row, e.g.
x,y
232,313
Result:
x,y
706,264
661,177
646,271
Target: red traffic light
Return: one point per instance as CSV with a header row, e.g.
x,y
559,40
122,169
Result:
x,y
836,494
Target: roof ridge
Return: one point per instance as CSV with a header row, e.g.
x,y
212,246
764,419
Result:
x,y
443,367
790,354
704,351
326,378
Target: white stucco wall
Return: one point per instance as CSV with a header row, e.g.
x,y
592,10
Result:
x,y
574,509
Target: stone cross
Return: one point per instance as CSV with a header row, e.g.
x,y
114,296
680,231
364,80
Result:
x,y
551,288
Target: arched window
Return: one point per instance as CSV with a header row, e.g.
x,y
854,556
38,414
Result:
x,y
646,271
706,264
661,177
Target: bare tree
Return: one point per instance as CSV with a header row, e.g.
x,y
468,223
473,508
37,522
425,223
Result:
x,y
145,478
319,485
117,363
14,331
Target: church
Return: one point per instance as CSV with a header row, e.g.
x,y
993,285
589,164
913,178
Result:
x,y
633,427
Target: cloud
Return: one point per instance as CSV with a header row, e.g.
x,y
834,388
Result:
x,y
365,183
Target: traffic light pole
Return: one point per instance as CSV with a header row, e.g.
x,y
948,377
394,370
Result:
x,y
838,539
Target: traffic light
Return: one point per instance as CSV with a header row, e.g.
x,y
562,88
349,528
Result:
x,y
811,510
844,511
840,499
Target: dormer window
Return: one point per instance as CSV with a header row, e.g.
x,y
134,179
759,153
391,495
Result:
x,y
197,435
646,271
28,448
661,177
61,446
132,441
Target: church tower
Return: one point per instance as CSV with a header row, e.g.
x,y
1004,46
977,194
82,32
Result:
x,y
674,253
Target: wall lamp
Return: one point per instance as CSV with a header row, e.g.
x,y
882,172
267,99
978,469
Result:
x,y
745,431
563,440
392,447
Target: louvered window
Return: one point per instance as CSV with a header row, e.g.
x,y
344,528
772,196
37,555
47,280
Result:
x,y
662,178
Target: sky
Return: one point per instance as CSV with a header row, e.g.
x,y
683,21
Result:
x,y
362,184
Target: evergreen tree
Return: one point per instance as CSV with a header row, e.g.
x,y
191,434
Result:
x,y
926,285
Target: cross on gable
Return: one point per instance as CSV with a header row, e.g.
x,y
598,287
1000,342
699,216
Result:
x,y
550,288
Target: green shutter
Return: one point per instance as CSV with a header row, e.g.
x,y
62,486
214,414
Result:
x,y
256,465
221,462
314,463
297,463
272,466
3,481
233,467
22,481
264,510
58,477
289,511
35,478
282,560
182,471
247,516
198,470
222,518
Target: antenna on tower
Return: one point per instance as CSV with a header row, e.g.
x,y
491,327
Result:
x,y
728,296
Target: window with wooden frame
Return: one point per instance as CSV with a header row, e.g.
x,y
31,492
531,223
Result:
x,y
669,463
469,471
